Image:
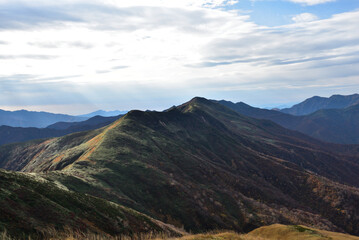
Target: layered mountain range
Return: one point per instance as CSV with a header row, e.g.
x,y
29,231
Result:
x,y
23,118
103,113
337,125
19,134
201,166
316,103
27,119
330,125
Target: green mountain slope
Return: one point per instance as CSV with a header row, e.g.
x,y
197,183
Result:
x,y
203,166
31,206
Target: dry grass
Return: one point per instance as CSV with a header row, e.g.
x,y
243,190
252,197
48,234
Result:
x,y
272,232
70,235
275,232
5,236
214,236
283,232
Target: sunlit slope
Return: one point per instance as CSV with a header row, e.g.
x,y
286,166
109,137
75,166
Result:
x,y
42,155
203,166
275,232
283,232
32,206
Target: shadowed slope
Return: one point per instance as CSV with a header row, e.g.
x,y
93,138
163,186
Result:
x,y
19,134
203,166
31,206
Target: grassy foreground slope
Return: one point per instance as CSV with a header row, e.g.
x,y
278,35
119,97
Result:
x,y
276,232
31,206
297,232
272,232
203,166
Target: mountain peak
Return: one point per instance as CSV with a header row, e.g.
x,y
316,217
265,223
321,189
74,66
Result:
x,y
200,100
193,103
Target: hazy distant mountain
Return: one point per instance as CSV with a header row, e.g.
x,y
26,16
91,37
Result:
x,y
203,166
316,103
104,113
19,134
92,123
333,125
330,125
283,119
23,118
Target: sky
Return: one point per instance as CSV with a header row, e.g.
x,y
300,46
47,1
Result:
x,y
77,56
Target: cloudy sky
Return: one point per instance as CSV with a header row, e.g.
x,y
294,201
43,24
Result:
x,y
75,56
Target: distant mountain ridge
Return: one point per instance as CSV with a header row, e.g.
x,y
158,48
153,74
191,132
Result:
x,y
19,134
316,103
103,113
91,123
330,125
24,118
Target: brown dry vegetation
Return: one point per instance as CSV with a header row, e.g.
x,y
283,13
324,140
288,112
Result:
x,y
272,232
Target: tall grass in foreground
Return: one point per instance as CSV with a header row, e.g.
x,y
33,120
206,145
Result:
x,y
5,236
90,236
147,236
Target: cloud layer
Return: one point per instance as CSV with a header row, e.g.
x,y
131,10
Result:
x,y
304,17
158,53
311,2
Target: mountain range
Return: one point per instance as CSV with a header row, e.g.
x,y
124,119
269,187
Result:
x,y
316,103
23,118
202,166
330,125
103,113
26,119
19,134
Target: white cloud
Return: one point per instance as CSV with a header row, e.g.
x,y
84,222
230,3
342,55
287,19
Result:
x,y
132,3
304,17
311,2
159,53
